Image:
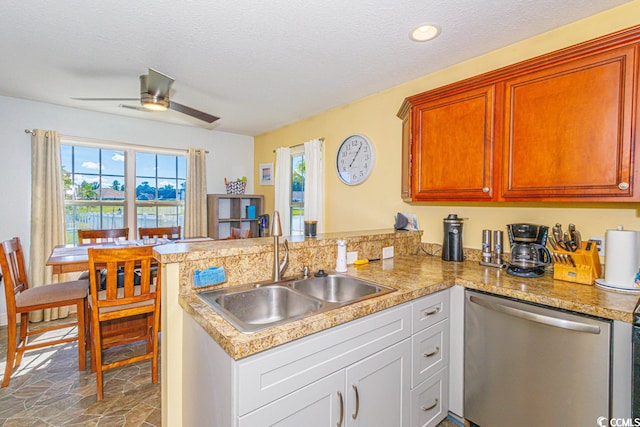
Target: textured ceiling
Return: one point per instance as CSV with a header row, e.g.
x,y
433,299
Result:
x,y
258,65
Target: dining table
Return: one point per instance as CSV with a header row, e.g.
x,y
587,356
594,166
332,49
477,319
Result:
x,y
75,257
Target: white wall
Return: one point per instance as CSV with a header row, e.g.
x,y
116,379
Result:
x,y
230,155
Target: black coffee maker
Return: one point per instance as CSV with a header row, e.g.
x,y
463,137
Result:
x,y
452,243
529,255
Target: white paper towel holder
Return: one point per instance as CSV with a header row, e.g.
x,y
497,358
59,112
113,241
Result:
x,y
602,282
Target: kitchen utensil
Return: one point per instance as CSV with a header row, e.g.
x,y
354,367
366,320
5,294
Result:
x,y
552,242
529,256
486,245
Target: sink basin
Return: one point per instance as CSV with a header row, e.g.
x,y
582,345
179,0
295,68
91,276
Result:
x,y
256,308
341,289
253,307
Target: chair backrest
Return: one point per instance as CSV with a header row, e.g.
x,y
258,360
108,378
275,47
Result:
x,y
166,232
238,233
126,263
107,235
13,271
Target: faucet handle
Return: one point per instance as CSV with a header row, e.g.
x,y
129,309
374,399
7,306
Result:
x,y
305,271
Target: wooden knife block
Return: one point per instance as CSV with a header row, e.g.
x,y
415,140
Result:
x,y
587,268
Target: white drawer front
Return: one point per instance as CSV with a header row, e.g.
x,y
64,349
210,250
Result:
x,y
430,401
430,351
268,376
430,310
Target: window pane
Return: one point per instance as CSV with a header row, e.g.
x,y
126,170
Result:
x,y
145,189
145,164
182,167
182,187
167,189
297,179
147,217
112,162
167,216
112,188
167,167
86,160
86,187
112,217
297,221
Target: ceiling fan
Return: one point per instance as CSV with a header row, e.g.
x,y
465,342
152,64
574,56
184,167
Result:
x,y
154,96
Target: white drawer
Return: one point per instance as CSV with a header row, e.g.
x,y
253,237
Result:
x,y
272,374
430,400
430,310
430,351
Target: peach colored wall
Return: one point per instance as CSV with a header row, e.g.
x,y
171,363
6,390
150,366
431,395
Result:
x,y
373,204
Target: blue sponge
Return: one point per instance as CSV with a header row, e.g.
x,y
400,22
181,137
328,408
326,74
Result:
x,y
210,276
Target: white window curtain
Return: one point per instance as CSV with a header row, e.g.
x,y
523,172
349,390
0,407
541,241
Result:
x,y
47,214
314,182
283,187
195,210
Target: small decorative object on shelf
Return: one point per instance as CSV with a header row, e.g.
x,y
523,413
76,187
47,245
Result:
x,y
236,187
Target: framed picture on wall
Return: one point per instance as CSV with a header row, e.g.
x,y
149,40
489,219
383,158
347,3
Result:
x,y
266,173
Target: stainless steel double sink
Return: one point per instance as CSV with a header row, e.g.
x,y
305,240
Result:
x,y
257,306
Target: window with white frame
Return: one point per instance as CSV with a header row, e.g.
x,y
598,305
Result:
x,y
297,190
121,186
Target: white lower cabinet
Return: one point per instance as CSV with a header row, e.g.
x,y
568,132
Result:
x,y
383,370
371,393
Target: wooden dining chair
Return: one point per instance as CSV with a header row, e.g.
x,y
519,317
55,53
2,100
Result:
x,y
21,299
238,233
98,236
171,233
123,304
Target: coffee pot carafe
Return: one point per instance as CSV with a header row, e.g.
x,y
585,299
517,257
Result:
x,y
529,256
452,242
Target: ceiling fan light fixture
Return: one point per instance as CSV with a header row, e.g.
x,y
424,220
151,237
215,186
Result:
x,y
155,104
424,33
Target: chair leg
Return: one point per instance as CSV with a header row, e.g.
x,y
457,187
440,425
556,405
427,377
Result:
x,y
11,351
150,328
154,361
96,347
82,350
22,342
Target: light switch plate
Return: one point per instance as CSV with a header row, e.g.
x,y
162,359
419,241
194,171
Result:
x,y
351,257
387,252
599,240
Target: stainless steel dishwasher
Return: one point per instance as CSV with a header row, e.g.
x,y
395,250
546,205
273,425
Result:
x,y
528,365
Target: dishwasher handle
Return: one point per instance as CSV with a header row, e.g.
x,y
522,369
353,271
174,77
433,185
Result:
x,y
535,317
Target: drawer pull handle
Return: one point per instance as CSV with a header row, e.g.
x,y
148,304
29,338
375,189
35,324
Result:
x,y
341,409
432,312
433,353
430,407
355,414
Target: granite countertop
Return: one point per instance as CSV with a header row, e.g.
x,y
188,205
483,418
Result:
x,y
414,277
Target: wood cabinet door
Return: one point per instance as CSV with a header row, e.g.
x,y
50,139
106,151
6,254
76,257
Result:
x,y
453,146
568,130
405,177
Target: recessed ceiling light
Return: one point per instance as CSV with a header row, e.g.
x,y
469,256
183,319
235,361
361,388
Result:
x,y
424,33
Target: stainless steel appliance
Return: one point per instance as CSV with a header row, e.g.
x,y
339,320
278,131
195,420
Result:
x,y
529,256
529,366
452,243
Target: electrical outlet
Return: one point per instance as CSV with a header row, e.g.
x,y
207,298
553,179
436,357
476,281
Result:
x,y
387,252
352,256
599,241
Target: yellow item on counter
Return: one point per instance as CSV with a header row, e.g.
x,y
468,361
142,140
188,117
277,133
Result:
x,y
361,262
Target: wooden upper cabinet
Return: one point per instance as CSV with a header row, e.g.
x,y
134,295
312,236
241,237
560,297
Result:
x,y
559,127
568,130
453,146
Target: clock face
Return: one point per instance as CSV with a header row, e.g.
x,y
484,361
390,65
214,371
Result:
x,y
355,159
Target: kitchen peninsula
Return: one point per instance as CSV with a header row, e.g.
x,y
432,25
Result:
x,y
414,274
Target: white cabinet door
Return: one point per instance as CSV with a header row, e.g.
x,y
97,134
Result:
x,y
320,404
430,401
378,389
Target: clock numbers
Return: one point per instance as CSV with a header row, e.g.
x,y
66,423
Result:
x,y
355,159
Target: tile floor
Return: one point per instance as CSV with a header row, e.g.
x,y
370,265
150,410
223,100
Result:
x,y
48,390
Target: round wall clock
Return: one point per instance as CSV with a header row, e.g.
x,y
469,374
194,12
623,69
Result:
x,y
355,159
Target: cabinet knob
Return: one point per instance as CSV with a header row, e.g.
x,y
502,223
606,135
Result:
x,y
485,189
623,186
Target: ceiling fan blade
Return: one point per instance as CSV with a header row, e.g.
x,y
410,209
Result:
x,y
133,107
107,99
158,84
192,112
